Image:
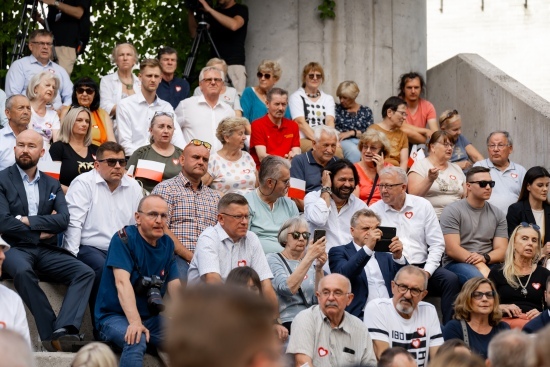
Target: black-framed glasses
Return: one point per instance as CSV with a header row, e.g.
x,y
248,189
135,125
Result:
x,y
42,44
210,80
296,235
111,162
198,143
388,186
402,288
313,76
449,115
483,183
447,144
479,295
261,75
240,218
532,225
155,215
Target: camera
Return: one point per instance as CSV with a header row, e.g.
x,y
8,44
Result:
x,y
195,5
150,287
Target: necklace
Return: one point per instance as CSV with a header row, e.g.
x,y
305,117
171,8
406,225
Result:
x,y
341,206
128,86
314,95
524,287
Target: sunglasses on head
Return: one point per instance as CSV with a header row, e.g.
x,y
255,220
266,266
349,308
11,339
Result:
x,y
198,143
527,225
483,183
82,90
449,115
111,162
261,75
296,235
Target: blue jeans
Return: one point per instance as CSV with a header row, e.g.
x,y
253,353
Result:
x,y
463,271
183,267
113,328
349,146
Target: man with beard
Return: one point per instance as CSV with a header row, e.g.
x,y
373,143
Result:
x,y
332,207
33,211
18,112
326,335
403,320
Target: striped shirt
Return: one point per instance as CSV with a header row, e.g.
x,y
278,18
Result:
x,y
190,212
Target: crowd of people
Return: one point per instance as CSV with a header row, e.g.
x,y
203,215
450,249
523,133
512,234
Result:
x,y
326,230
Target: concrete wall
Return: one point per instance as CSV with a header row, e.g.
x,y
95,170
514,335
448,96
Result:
x,y
488,99
371,42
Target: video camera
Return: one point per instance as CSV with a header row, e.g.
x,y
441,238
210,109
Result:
x,y
150,287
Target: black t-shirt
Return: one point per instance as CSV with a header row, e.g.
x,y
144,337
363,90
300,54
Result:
x,y
535,289
230,44
478,342
67,31
71,163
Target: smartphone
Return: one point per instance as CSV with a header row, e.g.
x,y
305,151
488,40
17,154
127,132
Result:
x,y
380,153
383,244
318,233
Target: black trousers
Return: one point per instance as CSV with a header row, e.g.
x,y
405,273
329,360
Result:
x,y
23,263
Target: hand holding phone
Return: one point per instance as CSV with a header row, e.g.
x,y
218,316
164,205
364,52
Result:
x,y
388,233
378,160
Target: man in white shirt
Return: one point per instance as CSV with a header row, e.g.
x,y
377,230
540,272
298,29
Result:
x,y
370,272
332,207
100,202
134,113
199,116
419,230
12,312
403,320
18,112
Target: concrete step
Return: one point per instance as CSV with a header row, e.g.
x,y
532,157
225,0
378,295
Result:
x,y
48,359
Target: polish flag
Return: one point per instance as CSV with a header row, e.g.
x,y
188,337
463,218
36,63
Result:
x,y
417,153
50,168
297,189
150,169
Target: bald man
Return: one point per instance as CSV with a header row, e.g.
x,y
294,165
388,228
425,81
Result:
x,y
33,211
326,335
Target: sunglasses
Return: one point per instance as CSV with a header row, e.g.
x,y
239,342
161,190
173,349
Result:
x,y
111,162
198,143
296,235
314,76
527,225
479,295
449,115
210,80
261,75
82,90
162,113
483,183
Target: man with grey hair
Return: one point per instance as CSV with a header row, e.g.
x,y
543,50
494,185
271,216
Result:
x,y
369,271
18,113
404,320
199,116
418,228
508,176
326,335
511,348
269,208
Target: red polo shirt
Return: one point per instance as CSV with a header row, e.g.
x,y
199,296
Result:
x,y
277,140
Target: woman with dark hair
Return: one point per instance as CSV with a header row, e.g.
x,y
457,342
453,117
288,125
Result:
x,y
477,315
245,276
86,94
533,207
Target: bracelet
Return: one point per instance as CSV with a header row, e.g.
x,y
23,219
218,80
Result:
x,y
354,133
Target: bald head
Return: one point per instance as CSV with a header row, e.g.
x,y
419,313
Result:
x,y
29,148
194,162
335,278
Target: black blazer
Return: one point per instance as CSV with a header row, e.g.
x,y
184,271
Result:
x,y
13,202
521,212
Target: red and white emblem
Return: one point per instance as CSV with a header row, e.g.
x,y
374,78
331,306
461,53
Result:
x,y
409,215
178,88
415,343
322,352
241,263
175,161
421,331
452,177
536,286
514,175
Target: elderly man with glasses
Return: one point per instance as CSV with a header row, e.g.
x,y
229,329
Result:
x,y
199,116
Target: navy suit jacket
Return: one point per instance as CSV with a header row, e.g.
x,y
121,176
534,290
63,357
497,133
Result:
x,y
537,323
13,202
522,212
346,260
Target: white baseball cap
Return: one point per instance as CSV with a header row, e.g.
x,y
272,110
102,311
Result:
x,y
5,244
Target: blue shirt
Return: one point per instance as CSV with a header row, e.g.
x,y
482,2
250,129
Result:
x,y
3,118
152,260
305,167
253,107
174,91
31,189
459,152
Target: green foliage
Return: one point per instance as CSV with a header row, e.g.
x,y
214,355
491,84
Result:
x,y
326,9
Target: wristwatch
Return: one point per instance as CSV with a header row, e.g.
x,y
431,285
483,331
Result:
x,y
18,217
277,321
487,258
326,189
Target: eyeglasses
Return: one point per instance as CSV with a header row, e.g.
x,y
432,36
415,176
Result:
x,y
479,295
240,218
111,162
402,288
527,225
296,235
403,113
449,115
88,91
42,44
388,186
155,215
499,146
261,75
483,183
447,145
198,143
336,294
210,80
315,76
371,148
285,182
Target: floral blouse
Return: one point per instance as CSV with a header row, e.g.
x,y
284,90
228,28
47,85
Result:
x,y
346,121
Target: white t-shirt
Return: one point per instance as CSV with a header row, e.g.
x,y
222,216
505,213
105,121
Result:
x,y
12,313
44,125
316,111
416,334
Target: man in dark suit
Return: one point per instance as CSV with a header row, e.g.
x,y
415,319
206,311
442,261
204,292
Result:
x,y
33,211
369,272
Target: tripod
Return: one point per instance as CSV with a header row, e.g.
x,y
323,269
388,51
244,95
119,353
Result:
x,y
202,30
23,29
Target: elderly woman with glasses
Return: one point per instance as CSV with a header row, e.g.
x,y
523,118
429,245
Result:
x,y
74,149
520,282
86,94
159,160
477,317
435,177
296,272
254,99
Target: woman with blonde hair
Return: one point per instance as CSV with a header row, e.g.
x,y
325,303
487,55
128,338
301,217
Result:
x,y
228,95
464,152
41,91
95,355
477,316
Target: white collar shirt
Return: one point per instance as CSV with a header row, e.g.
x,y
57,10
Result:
x,y
110,89
7,143
96,213
375,280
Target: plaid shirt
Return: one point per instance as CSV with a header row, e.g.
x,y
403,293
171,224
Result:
x,y
190,212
